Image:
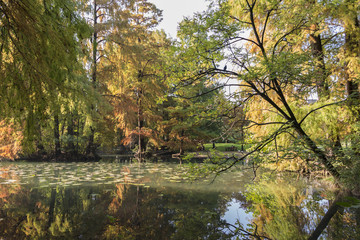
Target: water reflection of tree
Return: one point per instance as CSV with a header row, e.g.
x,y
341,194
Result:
x,y
27,214
284,210
145,213
339,222
198,214
281,211
8,216
128,212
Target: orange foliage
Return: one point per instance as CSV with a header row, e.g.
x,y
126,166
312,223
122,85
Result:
x,y
10,141
117,201
132,136
5,190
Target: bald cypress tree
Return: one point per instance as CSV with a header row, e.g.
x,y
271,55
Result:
x,y
39,50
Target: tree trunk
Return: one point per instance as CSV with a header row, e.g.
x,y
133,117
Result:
x,y
51,207
38,141
318,152
318,53
316,46
70,132
352,49
333,209
321,76
139,131
57,135
182,134
140,123
290,116
91,149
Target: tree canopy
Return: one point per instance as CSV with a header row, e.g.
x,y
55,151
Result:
x,y
80,77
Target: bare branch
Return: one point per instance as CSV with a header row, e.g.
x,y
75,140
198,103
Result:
x,y
297,27
265,24
264,124
258,148
255,30
240,21
316,109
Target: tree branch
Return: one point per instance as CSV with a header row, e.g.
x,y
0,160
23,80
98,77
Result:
x,y
316,109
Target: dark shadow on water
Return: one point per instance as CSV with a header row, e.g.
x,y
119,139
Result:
x,y
337,207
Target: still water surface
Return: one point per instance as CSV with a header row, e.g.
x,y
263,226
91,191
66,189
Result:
x,y
157,201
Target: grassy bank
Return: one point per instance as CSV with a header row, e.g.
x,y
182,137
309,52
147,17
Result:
x,y
225,147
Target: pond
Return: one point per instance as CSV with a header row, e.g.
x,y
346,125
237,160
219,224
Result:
x,y
157,201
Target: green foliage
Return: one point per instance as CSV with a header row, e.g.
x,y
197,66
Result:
x,y
42,73
350,162
216,163
279,61
350,202
277,208
34,228
66,81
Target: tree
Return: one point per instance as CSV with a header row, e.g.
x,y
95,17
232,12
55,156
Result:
x,y
39,61
133,78
272,75
192,118
101,17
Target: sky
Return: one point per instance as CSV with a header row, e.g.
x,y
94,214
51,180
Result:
x,y
175,10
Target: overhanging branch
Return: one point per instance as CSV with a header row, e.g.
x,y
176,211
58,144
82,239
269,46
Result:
x,y
316,109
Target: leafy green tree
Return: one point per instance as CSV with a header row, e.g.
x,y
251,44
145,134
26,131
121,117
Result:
x,y
259,44
192,117
39,62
